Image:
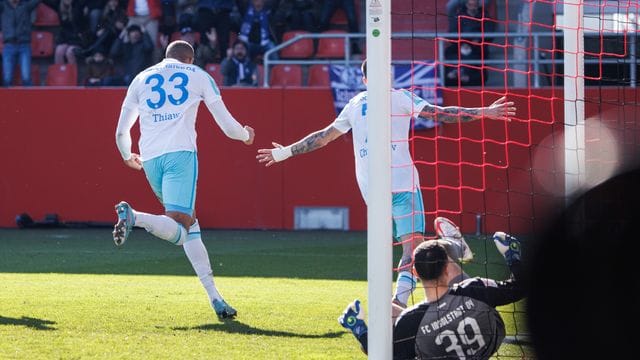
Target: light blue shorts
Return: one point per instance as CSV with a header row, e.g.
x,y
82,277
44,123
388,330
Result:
x,y
173,178
408,213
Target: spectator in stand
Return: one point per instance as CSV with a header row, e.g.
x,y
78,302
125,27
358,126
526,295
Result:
x,y
237,69
215,13
208,50
112,22
99,69
186,34
146,14
168,17
256,29
74,32
453,5
469,19
93,9
186,13
296,15
134,48
16,32
329,7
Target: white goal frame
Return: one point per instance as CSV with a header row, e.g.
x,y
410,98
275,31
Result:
x,y
379,231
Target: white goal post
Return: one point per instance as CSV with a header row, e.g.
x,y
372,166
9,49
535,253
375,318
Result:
x,y
379,231
574,122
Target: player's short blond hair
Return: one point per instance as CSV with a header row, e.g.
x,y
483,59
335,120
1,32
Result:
x,y
180,50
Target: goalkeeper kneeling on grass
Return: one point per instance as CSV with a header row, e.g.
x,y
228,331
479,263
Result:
x,y
456,321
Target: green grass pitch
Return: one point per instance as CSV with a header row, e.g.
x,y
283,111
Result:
x,y
70,294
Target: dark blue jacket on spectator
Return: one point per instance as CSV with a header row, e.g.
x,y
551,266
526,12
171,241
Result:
x,y
216,4
16,21
135,56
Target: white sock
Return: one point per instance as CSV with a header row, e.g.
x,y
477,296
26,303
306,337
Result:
x,y
161,226
199,258
405,285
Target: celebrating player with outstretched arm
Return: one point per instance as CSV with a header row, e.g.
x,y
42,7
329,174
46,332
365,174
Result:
x,y
408,211
166,97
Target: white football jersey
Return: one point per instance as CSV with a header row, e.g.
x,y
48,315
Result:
x,y
404,105
167,96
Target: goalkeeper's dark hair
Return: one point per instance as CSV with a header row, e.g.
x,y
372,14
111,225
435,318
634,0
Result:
x,y
180,50
430,259
363,68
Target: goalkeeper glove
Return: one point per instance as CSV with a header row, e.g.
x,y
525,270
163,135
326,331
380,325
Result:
x,y
508,246
353,319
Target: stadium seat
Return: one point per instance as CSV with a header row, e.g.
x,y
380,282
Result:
x,y
300,49
35,75
286,75
41,44
46,16
339,18
62,75
1,43
319,75
215,70
331,47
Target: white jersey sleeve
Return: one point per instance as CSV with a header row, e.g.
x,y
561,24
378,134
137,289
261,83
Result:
x,y
128,116
408,102
212,99
131,99
342,123
208,88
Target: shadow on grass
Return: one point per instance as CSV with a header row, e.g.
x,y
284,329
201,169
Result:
x,y
235,327
33,323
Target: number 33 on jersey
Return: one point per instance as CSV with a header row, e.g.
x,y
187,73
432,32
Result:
x,y
167,96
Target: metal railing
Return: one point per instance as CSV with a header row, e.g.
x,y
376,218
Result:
x,y
525,67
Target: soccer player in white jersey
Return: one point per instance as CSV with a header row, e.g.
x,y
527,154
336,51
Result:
x,y
408,211
166,97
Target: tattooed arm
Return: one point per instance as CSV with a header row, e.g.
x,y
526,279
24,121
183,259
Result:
x,y
315,140
309,143
499,110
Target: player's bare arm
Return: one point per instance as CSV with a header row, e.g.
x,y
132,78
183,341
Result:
x,y
501,109
315,140
309,143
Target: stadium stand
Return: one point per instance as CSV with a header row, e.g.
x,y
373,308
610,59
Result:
x,y
46,16
417,26
301,49
62,75
42,44
286,75
35,75
260,73
188,37
339,19
418,16
318,76
215,70
331,47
